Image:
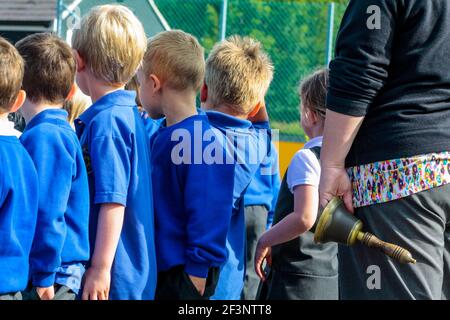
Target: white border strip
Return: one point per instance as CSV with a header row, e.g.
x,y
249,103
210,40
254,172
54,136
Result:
x,y
159,15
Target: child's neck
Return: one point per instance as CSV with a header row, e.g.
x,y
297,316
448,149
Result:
x,y
4,116
224,109
315,132
178,105
30,109
98,89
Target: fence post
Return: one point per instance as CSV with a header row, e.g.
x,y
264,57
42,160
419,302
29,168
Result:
x,y
330,33
59,9
223,19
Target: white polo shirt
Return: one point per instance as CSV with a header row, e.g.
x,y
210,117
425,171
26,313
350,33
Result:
x,y
305,167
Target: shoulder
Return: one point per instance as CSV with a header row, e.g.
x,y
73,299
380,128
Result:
x,y
114,122
304,169
57,137
305,158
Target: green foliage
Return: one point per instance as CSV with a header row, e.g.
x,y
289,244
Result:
x,y
294,33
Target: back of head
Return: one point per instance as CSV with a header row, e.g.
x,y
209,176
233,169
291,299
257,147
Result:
x,y
11,75
49,68
313,91
112,42
177,59
238,74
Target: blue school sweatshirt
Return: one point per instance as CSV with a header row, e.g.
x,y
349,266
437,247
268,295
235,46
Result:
x,y
265,185
192,211
248,149
18,212
151,125
117,155
61,242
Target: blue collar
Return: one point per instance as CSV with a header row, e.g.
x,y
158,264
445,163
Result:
x,y
49,115
222,120
121,98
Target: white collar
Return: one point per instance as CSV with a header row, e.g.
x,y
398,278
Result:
x,y
314,142
7,128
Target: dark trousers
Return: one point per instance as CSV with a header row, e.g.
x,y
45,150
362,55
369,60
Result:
x,y
255,221
419,223
11,296
61,293
291,286
175,284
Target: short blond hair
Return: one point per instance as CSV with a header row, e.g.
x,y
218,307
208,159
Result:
x,y
177,59
112,41
238,73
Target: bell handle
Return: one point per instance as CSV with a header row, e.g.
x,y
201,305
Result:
x,y
394,251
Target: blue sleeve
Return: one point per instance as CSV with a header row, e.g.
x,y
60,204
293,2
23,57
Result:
x,y
2,196
261,125
111,165
209,209
54,165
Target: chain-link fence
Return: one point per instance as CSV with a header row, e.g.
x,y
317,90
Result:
x,y
298,36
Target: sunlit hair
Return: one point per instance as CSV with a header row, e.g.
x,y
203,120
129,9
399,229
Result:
x,y
112,41
238,74
177,59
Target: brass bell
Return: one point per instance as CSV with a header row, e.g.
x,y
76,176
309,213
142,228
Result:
x,y
336,224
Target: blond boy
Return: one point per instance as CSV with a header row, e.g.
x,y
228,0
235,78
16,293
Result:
x,y
109,48
238,75
192,216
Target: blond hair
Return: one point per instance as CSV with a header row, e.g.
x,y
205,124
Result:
x,y
177,59
112,41
76,106
238,73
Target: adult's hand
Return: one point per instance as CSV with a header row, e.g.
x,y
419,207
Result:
x,y
335,182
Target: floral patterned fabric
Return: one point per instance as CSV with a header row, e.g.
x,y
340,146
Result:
x,y
394,179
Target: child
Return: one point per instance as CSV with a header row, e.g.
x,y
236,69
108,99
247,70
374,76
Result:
x,y
301,269
238,74
18,182
61,244
109,48
151,125
76,106
191,217
260,199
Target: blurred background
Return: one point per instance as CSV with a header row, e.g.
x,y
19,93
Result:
x,y
299,35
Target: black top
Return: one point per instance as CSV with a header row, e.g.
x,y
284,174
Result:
x,y
397,76
301,255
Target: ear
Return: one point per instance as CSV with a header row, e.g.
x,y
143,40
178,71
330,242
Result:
x,y
204,93
81,63
155,83
72,92
314,116
19,101
255,110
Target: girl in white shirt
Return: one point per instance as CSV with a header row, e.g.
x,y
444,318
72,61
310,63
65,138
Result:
x,y
300,269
